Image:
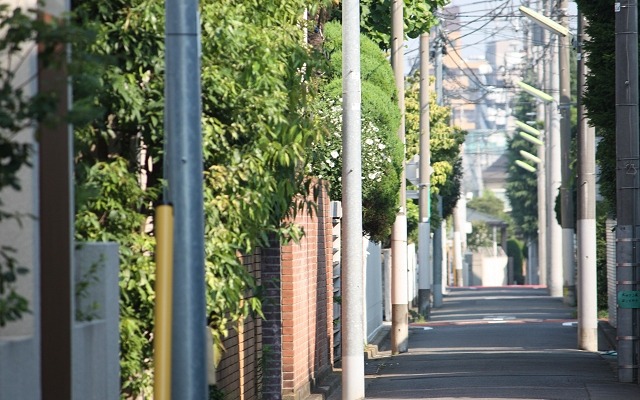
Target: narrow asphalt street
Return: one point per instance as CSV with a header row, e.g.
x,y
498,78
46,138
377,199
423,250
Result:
x,y
496,343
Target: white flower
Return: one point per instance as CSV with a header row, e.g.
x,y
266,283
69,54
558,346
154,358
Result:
x,y
369,141
334,154
381,146
372,176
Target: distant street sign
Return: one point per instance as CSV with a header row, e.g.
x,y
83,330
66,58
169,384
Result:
x,y
629,299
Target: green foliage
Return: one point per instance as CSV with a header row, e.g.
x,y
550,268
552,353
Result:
x,y
381,149
413,218
215,393
375,18
600,98
374,66
445,142
22,33
256,140
256,136
601,256
113,211
480,236
488,203
515,251
522,186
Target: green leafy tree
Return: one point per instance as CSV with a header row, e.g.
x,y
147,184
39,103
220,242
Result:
x,y
600,101
480,236
600,98
256,86
515,251
381,149
20,113
375,18
444,144
488,203
522,186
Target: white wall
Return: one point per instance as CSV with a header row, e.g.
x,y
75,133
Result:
x,y
20,340
372,260
96,363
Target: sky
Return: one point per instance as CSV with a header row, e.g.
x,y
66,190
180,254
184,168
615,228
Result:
x,y
485,20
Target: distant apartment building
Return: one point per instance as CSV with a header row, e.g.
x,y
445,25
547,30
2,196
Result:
x,y
480,92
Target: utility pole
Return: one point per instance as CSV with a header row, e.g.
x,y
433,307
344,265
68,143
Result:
x,y
424,224
566,196
183,169
627,184
587,277
56,216
399,306
554,230
352,276
542,172
439,264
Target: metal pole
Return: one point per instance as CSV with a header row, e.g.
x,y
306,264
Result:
x,y
587,276
554,232
567,207
183,168
56,216
399,306
439,264
424,224
352,274
628,196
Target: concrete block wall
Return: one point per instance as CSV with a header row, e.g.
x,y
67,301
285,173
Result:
x,y
95,341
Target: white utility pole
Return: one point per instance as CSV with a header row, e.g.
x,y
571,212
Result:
x,y
554,179
587,276
566,195
399,306
352,273
542,179
424,224
440,275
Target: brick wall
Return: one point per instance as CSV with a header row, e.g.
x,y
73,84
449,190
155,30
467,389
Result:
x,y
283,355
306,298
239,373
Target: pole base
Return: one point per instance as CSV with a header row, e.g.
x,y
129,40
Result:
x,y
569,295
424,302
399,328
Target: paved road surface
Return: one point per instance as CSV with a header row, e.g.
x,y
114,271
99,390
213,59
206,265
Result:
x,y
496,343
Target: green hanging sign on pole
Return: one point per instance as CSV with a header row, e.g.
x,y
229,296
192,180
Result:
x,y
629,299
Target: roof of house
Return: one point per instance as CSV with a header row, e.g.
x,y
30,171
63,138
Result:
x,y
478,216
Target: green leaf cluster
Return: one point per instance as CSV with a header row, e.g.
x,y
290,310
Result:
x,y
257,81
23,33
522,186
381,149
600,97
445,142
375,18
487,203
